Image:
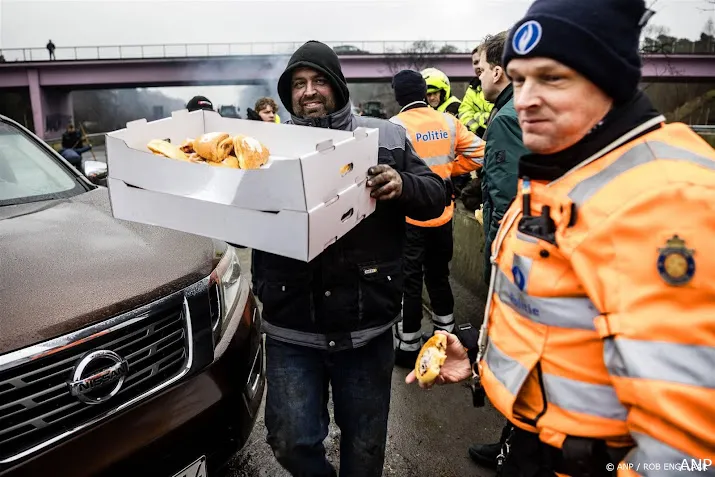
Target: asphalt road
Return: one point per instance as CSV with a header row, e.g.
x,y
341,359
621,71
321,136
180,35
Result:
x,y
428,431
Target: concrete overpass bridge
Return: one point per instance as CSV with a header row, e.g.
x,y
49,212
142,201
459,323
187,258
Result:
x,y
51,82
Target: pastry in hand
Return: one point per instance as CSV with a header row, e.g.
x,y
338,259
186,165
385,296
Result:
x,y
250,152
214,147
431,358
166,149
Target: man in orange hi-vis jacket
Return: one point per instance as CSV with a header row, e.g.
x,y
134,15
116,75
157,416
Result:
x,y
599,337
449,149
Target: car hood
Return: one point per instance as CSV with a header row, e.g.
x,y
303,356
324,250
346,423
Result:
x,y
68,263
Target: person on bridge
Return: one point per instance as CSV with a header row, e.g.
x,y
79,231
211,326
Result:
x,y
599,340
329,322
449,149
475,109
51,49
439,92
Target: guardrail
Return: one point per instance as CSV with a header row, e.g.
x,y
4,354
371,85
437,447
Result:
x,y
107,52
118,52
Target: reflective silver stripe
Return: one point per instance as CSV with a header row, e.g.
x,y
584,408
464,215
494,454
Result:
x,y
634,157
451,124
409,337
471,149
399,122
508,371
407,341
321,341
585,398
526,238
692,365
443,320
672,462
563,312
437,160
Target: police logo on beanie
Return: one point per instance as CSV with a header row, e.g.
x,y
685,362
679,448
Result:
x,y
598,38
526,37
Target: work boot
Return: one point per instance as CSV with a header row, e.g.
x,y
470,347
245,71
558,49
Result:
x,y
485,454
406,359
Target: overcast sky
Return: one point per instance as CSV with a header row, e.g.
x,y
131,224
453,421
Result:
x,y
30,23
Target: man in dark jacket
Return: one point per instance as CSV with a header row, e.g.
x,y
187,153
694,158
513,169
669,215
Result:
x,y
504,143
329,321
504,148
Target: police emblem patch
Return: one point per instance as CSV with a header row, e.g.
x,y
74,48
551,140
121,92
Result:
x,y
675,262
526,37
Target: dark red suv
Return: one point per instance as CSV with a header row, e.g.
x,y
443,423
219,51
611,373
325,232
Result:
x,y
125,350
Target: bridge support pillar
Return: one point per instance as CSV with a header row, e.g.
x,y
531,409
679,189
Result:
x,y
38,116
51,108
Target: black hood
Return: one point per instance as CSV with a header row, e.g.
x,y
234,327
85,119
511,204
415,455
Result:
x,y
252,115
320,57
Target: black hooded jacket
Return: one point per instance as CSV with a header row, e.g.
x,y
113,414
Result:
x,y
351,292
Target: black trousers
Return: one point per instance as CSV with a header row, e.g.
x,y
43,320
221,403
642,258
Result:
x,y
428,251
527,456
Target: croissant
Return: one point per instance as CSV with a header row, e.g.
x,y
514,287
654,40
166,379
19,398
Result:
x,y
214,147
230,162
250,152
166,149
187,146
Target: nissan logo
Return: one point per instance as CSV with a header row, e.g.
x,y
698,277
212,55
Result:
x,y
98,376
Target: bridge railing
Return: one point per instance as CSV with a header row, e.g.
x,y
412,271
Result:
x,y
108,52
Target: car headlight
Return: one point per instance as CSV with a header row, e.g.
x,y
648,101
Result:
x,y
224,291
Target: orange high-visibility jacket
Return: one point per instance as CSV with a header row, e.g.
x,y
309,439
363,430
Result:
x,y
445,144
609,331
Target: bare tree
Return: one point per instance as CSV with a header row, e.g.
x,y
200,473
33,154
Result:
x,y
449,49
418,56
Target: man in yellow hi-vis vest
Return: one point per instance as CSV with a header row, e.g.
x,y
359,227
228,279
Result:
x,y
449,149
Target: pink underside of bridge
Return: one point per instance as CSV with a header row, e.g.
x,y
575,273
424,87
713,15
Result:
x,y
252,69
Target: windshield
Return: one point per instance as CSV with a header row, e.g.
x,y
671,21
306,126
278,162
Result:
x,y
29,173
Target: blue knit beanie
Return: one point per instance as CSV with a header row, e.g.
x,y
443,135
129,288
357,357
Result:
x,y
597,38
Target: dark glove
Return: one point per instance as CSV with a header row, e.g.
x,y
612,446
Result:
x,y
472,195
449,188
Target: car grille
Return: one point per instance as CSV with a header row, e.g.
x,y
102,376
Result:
x,y
35,402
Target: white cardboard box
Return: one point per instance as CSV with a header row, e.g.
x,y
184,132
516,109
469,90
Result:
x,y
295,206
304,169
290,233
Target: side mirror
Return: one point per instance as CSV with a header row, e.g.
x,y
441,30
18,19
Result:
x,y
95,171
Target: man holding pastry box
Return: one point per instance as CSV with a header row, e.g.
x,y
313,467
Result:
x,y
329,321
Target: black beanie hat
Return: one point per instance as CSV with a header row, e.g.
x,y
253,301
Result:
x,y
409,87
597,38
199,102
322,58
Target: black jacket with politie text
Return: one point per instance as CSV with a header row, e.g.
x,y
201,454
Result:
x,y
351,292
